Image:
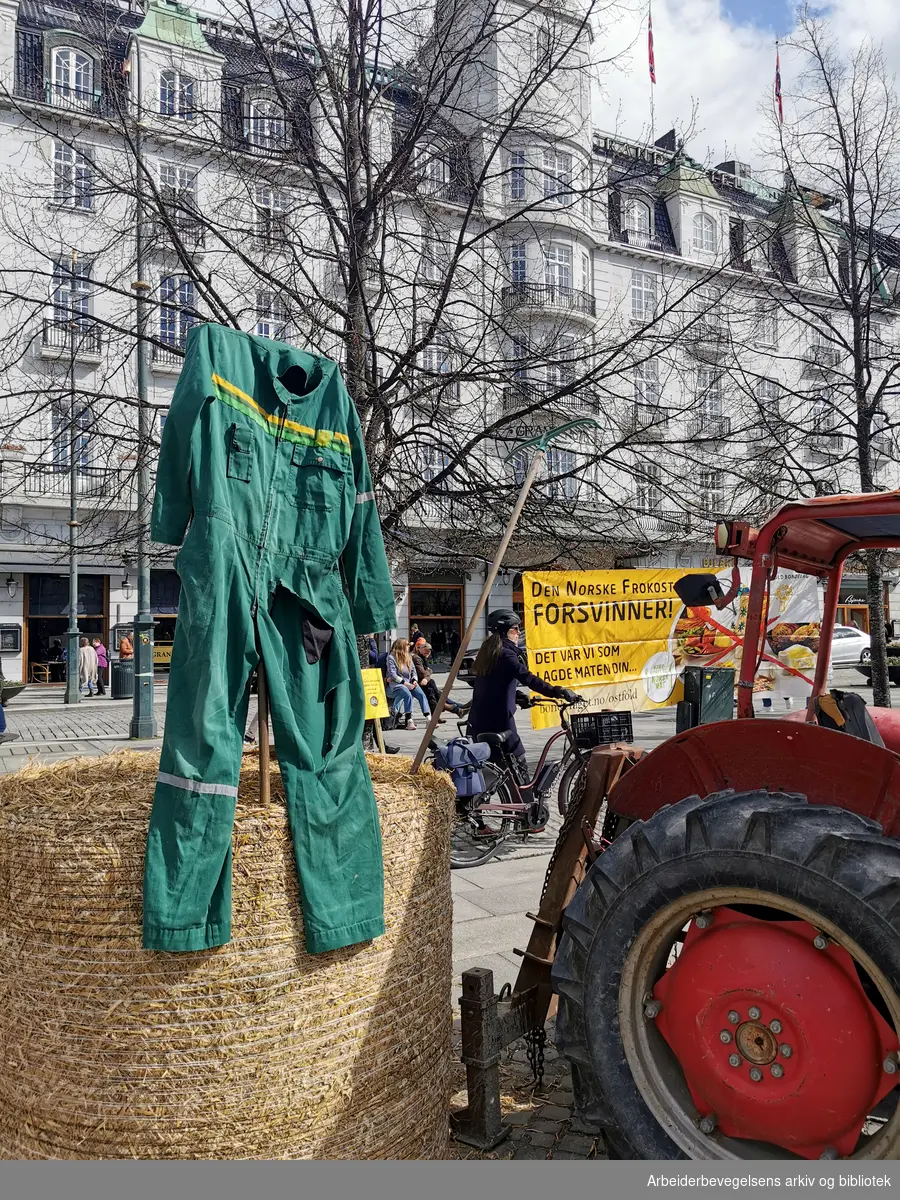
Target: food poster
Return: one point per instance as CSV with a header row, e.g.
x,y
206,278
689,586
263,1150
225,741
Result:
x,y
623,638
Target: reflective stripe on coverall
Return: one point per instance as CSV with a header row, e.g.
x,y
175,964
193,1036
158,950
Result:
x,y
284,555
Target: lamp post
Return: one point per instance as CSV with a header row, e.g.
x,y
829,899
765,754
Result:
x,y
73,691
143,720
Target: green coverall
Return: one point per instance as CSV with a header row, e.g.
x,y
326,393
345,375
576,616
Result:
x,y
284,556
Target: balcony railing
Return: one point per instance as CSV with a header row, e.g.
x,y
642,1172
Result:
x,y
548,295
78,334
530,392
643,240
171,353
53,479
709,426
825,443
821,357
646,423
187,227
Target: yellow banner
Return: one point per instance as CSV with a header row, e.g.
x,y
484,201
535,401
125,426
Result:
x,y
622,638
376,700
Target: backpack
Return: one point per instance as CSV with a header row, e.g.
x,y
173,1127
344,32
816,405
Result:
x,y
462,759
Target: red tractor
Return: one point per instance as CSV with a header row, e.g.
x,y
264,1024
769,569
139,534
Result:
x,y
729,969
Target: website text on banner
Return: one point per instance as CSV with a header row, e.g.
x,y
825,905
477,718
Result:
x,y
623,638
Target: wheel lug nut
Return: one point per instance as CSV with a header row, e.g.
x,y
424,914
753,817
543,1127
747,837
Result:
x,y
708,1124
754,1013
652,1009
775,1026
734,1017
785,1050
755,1074
735,1060
703,920
820,941
777,1070
890,1064
725,1036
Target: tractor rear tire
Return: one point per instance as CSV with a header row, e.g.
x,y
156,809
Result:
x,y
797,857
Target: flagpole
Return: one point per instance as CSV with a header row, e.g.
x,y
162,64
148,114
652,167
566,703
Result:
x,y
651,62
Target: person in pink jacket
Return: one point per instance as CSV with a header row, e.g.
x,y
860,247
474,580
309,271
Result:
x,y
102,664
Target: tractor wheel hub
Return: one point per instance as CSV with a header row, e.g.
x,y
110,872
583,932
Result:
x,y
811,1044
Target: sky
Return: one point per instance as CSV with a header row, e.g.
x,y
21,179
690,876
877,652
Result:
x,y
717,58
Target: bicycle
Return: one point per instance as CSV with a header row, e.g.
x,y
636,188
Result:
x,y
509,805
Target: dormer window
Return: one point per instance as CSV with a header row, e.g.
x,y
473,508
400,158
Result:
x,y
435,173
638,223
176,95
705,233
72,78
265,124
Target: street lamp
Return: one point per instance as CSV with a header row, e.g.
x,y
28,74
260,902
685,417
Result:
x,y
143,721
72,692
11,587
127,589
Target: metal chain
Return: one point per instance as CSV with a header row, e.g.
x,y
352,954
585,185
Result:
x,y
535,1041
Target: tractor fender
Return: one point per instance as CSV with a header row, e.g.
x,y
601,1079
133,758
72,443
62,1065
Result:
x,y
775,755
886,721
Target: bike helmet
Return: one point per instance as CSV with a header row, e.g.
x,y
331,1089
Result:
x,y
501,620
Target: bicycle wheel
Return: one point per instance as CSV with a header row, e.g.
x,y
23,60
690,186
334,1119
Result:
x,y
569,783
470,845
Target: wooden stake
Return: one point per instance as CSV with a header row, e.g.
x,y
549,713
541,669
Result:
x,y
265,794
379,736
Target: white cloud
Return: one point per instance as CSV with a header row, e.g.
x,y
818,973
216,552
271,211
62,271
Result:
x,y
725,68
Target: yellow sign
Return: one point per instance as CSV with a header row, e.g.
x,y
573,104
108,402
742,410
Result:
x,y
162,654
376,700
622,638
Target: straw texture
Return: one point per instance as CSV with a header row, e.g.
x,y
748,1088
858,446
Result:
x,y
253,1050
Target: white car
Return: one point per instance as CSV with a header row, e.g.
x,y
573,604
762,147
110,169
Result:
x,y
850,646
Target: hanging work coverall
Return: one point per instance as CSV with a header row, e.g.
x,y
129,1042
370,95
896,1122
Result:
x,y
262,454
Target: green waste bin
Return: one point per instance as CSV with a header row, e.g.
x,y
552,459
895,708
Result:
x,y
122,678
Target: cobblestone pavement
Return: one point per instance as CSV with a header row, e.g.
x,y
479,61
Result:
x,y
541,1120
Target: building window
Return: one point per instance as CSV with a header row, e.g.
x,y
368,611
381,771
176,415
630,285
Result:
x,y
72,177
705,233
70,433
432,461
587,275
72,290
176,95
265,124
637,219
271,218
72,78
558,266
517,175
177,185
436,360
557,177
434,264
768,394
710,392
711,492
647,391
766,326
272,319
561,463
176,312
560,364
643,295
435,174
518,263
521,353
649,495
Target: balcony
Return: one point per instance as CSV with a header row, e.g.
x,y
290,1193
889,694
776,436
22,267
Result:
x,y
528,393
646,423
643,241
709,427
76,335
708,339
170,355
650,519
54,480
820,358
827,444
552,296
176,225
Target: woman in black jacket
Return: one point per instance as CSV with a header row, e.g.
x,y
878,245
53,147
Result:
x,y
498,671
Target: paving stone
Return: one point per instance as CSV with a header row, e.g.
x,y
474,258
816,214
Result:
x,y
518,1118
576,1125
555,1112
545,1126
516,1135
536,1138
574,1143
564,1096
562,1154
532,1152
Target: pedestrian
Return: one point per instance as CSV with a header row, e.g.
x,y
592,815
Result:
x,y
889,631
126,647
421,657
102,664
87,667
373,650
5,735
403,684
414,632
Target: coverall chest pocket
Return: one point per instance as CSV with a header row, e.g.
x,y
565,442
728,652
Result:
x,y
240,453
319,482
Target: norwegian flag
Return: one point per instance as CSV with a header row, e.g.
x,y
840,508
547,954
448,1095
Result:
x,y
651,61
778,100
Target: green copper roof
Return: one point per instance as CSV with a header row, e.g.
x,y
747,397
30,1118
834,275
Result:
x,y
684,175
168,21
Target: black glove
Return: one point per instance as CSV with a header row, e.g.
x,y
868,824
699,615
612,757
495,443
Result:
x,y
571,697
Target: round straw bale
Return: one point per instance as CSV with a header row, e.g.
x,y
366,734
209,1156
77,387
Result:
x,y
253,1050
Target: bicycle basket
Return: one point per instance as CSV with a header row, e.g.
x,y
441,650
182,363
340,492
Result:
x,y
601,729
